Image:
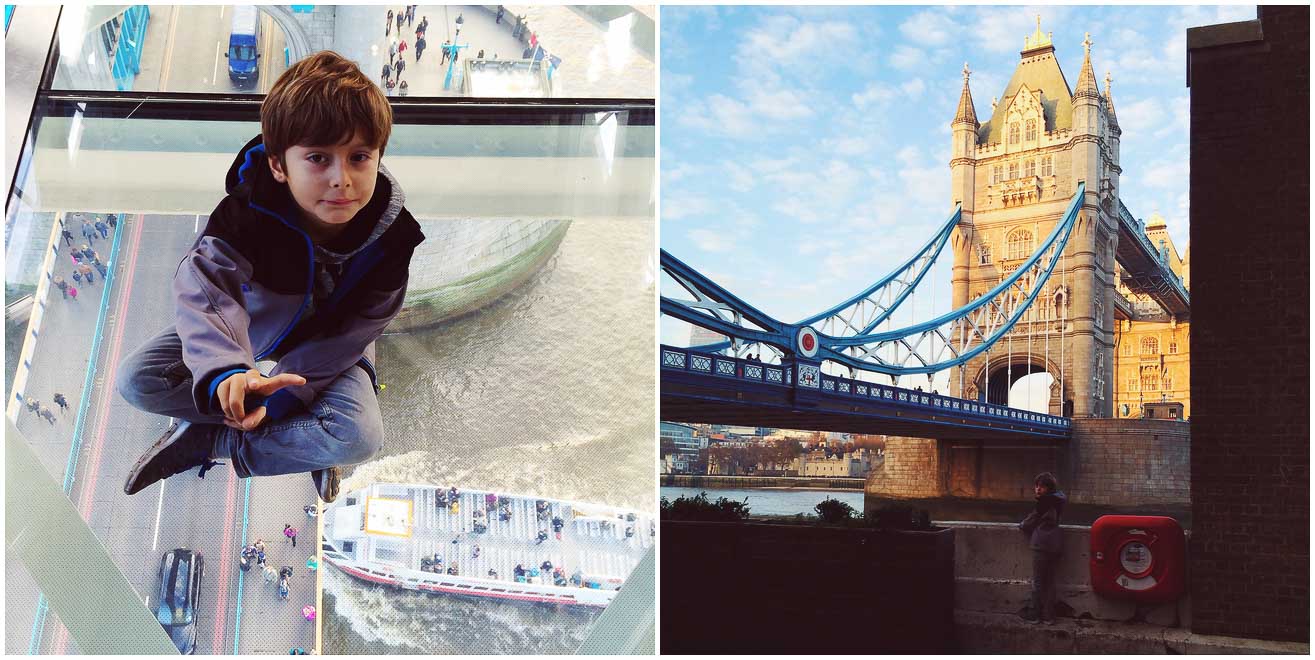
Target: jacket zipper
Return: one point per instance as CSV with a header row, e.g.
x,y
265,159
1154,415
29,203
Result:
x,y
310,280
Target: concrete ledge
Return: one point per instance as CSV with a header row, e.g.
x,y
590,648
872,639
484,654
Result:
x,y
984,632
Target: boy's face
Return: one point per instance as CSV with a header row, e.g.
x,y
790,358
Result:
x,y
1040,490
329,183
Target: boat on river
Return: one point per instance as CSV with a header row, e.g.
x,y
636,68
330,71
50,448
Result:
x,y
485,544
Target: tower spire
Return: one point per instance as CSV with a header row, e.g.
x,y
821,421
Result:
x,y
1086,87
1109,102
966,114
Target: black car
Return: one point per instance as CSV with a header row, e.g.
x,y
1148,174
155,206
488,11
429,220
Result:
x,y
180,595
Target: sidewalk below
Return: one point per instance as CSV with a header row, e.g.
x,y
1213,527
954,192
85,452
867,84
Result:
x,y
989,632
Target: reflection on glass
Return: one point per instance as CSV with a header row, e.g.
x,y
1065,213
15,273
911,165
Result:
x,y
443,50
523,363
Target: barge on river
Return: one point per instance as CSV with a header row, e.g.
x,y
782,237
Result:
x,y
485,544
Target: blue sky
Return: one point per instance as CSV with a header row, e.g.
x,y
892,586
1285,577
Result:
x,y
805,150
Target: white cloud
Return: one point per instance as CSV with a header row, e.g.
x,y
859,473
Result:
x,y
930,27
678,206
711,241
740,179
907,58
913,88
1169,172
673,171
794,209
874,94
780,104
719,115
1140,118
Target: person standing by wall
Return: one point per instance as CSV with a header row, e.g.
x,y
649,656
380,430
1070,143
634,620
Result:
x,y
1046,540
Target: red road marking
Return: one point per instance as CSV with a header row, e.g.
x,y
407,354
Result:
x,y
225,566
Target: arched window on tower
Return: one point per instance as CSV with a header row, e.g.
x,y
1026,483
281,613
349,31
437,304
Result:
x,y
1132,384
1127,348
1150,346
1020,244
1031,130
1166,383
997,173
1013,133
1048,166
1013,170
984,254
1173,348
1029,168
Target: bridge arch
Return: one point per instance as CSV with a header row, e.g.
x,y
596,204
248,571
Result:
x,y
1005,372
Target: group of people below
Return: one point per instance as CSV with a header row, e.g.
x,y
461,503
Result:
x,y
86,261
391,73
43,411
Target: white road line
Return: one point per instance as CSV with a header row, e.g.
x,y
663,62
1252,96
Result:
x,y
159,508
196,224
219,50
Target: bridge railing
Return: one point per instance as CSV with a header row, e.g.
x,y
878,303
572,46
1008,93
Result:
x,y
675,358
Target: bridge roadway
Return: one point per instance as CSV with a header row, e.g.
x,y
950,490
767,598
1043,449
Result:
x,y
100,438
1145,272
709,388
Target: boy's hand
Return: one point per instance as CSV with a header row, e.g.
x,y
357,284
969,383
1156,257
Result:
x,y
233,391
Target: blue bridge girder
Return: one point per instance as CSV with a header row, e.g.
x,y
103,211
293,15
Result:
x,y
1145,271
942,343
698,386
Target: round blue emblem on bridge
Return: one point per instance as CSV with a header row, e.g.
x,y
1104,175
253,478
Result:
x,y
805,342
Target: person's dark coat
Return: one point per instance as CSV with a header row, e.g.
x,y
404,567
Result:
x,y
1043,523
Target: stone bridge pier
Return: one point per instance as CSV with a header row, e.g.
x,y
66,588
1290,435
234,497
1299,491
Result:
x,y
1108,462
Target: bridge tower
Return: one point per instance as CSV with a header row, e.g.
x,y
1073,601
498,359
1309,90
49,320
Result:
x,y
1041,140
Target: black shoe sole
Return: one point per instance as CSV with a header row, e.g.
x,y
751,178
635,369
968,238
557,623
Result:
x,y
171,434
328,484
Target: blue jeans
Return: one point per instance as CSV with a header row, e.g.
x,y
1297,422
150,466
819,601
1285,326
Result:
x,y
341,427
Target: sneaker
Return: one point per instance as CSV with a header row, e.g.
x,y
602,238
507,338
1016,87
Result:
x,y
326,482
182,447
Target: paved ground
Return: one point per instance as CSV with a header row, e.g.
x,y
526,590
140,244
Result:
x,y
213,516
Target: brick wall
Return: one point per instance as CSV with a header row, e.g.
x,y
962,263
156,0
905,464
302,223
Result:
x,y
1250,195
912,469
1128,462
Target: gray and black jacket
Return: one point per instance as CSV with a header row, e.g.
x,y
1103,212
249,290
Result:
x,y
1042,524
254,287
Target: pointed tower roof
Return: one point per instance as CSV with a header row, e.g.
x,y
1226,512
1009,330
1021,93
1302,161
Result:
x,y
1087,77
1109,103
1038,70
966,114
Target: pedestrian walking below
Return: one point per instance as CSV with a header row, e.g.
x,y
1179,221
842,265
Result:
x,y
388,27
420,47
400,66
312,564
270,574
400,18
77,277
68,236
384,74
100,266
410,15
34,405
112,219
446,51
87,274
73,292
501,11
424,24
61,401
88,232
87,253
392,52
47,415
290,532
62,286
401,48
103,228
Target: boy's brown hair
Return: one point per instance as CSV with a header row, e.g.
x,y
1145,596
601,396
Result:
x,y
1047,481
324,99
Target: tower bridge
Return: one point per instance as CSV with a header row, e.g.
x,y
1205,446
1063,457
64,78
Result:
x,y
1051,272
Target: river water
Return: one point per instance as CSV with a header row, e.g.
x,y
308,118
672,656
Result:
x,y
548,391
772,501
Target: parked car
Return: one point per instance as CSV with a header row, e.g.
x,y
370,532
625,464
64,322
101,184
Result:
x,y
179,597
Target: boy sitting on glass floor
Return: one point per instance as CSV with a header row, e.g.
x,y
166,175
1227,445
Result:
x,y
304,262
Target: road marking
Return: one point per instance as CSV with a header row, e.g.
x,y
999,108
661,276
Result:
x,y
237,617
159,508
219,50
225,552
196,224
169,47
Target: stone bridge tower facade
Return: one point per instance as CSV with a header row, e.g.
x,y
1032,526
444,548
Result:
x,y
1014,176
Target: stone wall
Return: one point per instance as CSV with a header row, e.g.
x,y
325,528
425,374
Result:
x,y
1250,214
1116,462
